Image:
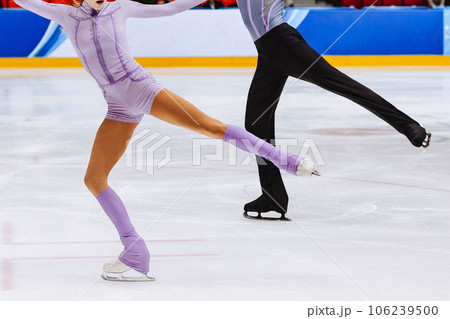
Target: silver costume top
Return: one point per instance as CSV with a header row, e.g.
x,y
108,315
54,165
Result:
x,y
261,16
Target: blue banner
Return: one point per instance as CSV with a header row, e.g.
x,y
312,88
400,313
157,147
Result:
x,y
21,31
331,31
374,31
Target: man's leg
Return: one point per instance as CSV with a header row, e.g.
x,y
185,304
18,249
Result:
x,y
299,60
265,90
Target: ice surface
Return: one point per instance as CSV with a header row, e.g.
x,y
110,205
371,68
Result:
x,y
374,226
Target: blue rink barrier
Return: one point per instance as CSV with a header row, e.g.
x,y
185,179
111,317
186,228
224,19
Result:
x,y
333,31
20,32
377,31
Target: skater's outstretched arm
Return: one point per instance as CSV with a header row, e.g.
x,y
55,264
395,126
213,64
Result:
x,y
47,10
139,10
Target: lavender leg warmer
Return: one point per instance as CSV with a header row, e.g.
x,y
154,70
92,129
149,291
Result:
x,y
248,142
135,254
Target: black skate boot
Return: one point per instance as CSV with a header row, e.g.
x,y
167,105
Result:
x,y
264,204
418,136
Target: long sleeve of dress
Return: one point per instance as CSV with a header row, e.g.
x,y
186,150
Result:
x,y
50,11
138,10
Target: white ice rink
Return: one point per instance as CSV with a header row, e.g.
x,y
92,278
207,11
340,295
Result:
x,y
375,226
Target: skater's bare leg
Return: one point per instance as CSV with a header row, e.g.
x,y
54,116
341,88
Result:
x,y
109,145
171,108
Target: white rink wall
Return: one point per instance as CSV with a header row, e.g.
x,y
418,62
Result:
x,y
188,34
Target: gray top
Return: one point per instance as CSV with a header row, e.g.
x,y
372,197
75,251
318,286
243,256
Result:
x,y
261,16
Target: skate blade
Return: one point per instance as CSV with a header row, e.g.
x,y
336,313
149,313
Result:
x,y
316,172
260,217
127,277
426,143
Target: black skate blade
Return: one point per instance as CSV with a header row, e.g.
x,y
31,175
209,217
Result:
x,y
426,142
316,172
260,217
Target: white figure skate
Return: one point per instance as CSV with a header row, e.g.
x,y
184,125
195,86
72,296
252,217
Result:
x,y
118,271
306,169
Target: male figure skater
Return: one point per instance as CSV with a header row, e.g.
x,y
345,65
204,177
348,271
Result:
x,y
282,52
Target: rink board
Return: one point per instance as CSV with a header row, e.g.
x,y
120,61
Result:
x,y
234,62
221,33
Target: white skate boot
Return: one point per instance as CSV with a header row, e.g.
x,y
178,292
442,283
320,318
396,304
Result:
x,y
118,271
306,169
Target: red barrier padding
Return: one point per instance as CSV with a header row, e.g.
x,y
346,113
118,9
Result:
x,y
419,3
392,2
348,3
10,4
229,3
368,3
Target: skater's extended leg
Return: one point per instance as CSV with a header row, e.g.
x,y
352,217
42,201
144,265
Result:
x,y
173,109
109,145
295,57
248,142
333,80
265,90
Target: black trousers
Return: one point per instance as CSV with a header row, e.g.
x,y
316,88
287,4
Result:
x,y
282,52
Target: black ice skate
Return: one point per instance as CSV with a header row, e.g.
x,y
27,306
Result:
x,y
418,136
264,204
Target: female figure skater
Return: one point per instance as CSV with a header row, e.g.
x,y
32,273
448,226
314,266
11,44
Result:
x,y
97,31
282,52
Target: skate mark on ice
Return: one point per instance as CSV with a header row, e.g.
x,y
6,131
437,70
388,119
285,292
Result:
x,y
388,183
7,263
352,132
100,242
6,233
7,273
107,257
358,211
396,246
